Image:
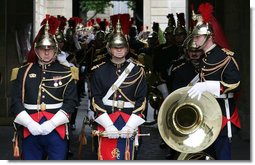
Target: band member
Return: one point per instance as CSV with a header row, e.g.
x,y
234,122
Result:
x,y
43,97
186,73
219,75
119,92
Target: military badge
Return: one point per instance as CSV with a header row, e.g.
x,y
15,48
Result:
x,y
32,75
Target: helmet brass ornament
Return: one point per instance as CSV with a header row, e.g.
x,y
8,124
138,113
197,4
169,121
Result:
x,y
188,125
117,39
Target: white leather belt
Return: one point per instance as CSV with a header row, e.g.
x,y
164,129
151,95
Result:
x,y
47,106
227,95
118,104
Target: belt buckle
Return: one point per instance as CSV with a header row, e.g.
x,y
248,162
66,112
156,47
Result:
x,y
120,104
43,106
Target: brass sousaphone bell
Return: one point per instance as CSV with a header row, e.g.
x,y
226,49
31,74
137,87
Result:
x,y
189,125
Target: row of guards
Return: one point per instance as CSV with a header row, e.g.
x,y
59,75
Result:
x,y
155,59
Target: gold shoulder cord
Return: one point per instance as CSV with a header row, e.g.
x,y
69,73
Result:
x,y
24,81
217,66
126,84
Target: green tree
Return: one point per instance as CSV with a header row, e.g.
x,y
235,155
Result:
x,y
98,6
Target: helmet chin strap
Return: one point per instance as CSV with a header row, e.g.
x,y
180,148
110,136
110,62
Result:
x,y
40,60
46,63
204,41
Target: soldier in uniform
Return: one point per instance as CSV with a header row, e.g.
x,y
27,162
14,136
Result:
x,y
220,76
43,97
186,73
119,92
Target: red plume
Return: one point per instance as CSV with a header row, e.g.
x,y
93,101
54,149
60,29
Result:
x,y
53,23
62,20
92,21
98,20
125,23
219,36
206,10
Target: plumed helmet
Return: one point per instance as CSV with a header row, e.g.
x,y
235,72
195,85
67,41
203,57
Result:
x,y
46,40
180,29
171,24
117,39
208,25
202,26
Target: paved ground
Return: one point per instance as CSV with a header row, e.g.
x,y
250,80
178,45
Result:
x,y
149,148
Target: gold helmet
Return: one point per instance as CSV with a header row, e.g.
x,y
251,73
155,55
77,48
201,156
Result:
x,y
46,40
117,39
191,45
203,19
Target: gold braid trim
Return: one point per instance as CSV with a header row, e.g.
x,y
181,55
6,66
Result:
x,y
52,71
217,65
24,81
96,107
97,66
228,52
58,99
66,87
126,84
235,63
142,74
132,102
60,86
230,86
142,107
59,78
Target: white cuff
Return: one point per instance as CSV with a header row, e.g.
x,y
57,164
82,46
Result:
x,y
104,120
213,87
59,118
23,118
134,121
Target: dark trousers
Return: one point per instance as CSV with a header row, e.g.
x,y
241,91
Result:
x,y
220,149
51,147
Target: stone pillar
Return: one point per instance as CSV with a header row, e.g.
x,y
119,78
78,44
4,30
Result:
x,y
52,7
157,10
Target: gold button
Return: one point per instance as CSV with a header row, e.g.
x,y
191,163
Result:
x,y
43,106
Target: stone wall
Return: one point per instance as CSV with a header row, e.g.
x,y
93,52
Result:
x,y
157,10
52,7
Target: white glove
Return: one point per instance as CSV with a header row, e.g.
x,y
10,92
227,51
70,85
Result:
x,y
105,121
62,58
91,115
133,122
210,86
112,132
24,119
58,119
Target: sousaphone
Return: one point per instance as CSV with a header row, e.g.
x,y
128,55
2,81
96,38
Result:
x,y
189,125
